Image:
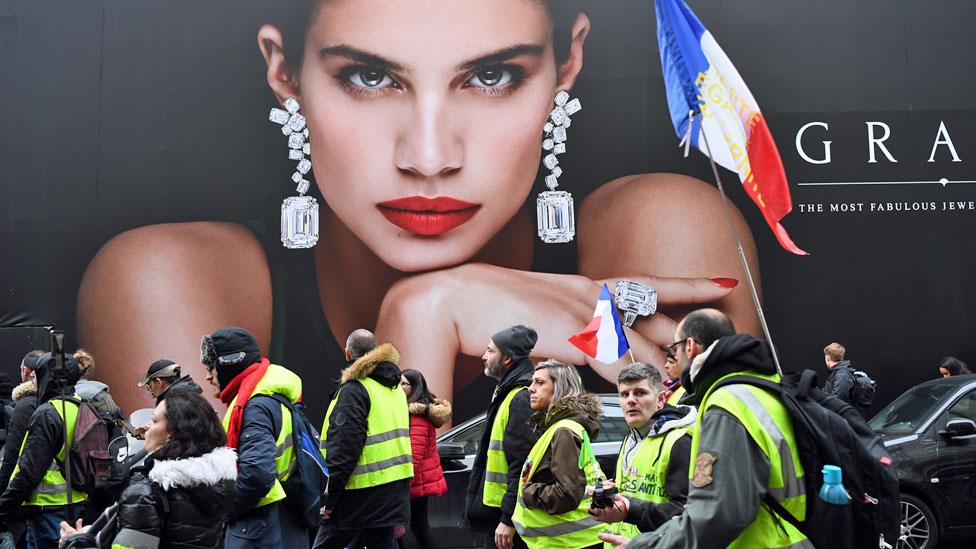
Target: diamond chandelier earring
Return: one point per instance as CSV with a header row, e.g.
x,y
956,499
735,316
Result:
x,y
554,209
299,214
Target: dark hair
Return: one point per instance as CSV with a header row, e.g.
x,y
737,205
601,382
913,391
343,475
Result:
x,y
954,366
193,427
420,392
639,371
706,326
295,22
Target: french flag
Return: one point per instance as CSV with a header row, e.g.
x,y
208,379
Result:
x,y
700,78
603,338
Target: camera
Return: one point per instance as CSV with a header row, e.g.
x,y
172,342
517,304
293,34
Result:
x,y
603,496
59,375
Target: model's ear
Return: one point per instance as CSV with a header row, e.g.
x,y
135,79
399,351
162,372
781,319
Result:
x,y
571,68
282,77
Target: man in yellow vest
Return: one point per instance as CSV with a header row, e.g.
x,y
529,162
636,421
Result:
x,y
259,427
652,468
743,447
37,487
366,444
673,381
506,440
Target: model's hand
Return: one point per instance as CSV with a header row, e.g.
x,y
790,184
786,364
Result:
x,y
615,513
503,536
618,542
434,316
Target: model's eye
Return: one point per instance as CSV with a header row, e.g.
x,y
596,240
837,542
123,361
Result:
x,y
368,77
491,77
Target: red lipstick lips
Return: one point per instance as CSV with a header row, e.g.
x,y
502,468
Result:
x,y
428,216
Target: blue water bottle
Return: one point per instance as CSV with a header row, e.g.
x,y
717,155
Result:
x,y
833,490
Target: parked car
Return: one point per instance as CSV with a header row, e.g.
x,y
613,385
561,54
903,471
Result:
x,y
930,432
457,448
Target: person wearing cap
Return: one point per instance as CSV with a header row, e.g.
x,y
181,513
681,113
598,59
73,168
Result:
x,y
37,488
25,402
493,484
366,444
163,376
259,427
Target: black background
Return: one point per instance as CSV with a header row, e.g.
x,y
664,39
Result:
x,y
118,114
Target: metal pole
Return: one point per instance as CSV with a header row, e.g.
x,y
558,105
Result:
x,y
738,244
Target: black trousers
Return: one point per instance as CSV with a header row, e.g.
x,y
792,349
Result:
x,y
330,537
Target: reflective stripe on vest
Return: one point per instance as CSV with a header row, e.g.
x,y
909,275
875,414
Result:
x,y
386,455
496,467
769,424
53,489
676,396
128,538
284,451
645,478
571,529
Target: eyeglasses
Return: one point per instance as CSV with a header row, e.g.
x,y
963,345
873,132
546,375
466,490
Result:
x,y
673,348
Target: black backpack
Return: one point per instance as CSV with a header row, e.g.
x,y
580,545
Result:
x,y
306,487
864,389
831,432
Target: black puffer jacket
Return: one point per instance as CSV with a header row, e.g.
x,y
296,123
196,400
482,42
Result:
x,y
185,383
175,503
384,505
25,402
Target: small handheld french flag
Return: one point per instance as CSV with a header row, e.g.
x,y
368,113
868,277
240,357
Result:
x,y
603,338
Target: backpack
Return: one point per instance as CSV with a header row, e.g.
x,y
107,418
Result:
x,y
863,392
309,480
830,431
89,458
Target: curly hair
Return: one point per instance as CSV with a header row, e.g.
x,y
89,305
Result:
x,y
192,425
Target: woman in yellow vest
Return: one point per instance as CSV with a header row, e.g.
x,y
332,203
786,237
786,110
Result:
x,y
553,506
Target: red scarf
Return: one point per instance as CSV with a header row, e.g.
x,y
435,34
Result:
x,y
241,386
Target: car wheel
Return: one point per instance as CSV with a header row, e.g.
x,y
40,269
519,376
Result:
x,y
919,529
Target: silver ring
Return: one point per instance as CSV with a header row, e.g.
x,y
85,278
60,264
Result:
x,y
634,299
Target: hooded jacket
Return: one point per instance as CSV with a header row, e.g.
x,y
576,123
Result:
x,y
428,477
720,509
647,516
43,440
559,484
519,438
178,502
376,506
840,382
25,402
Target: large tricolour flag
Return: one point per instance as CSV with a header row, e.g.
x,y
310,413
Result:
x,y
699,77
603,338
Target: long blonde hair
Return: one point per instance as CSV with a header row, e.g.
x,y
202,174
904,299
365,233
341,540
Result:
x,y
565,379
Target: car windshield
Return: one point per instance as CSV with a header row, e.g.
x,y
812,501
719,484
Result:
x,y
909,411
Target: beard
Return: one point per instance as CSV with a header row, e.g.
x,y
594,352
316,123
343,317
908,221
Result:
x,y
495,370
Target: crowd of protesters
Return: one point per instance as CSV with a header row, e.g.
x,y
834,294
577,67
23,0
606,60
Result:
x,y
693,470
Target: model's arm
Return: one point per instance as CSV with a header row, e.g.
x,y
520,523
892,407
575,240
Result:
x,y
668,225
153,292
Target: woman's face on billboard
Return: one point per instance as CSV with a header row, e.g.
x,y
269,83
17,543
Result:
x,y
425,119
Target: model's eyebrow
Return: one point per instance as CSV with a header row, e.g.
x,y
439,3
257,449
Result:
x,y
360,56
503,55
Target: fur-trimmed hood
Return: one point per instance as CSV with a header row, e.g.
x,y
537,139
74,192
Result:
x,y
438,412
26,388
584,408
365,365
209,469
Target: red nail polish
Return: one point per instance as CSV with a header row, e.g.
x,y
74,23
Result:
x,y
725,282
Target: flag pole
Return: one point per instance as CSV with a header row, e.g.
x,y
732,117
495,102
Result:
x,y
631,351
738,243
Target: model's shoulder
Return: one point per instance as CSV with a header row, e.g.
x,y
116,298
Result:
x,y
183,244
653,190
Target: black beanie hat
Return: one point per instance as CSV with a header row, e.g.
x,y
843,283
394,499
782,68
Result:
x,y
230,351
516,342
